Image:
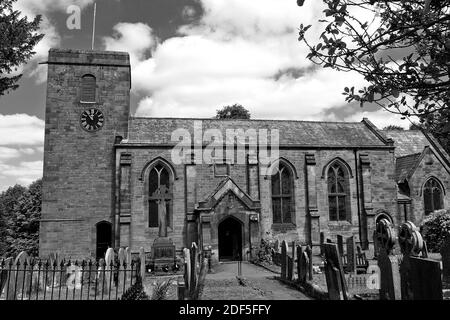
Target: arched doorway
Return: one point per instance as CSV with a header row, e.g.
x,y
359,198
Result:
x,y
230,240
104,238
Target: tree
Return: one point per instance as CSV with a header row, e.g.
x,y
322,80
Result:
x,y
18,37
21,209
401,48
393,127
236,111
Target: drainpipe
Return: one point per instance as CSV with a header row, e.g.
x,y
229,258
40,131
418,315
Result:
x,y
358,199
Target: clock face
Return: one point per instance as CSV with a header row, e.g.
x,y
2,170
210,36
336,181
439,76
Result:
x,y
92,119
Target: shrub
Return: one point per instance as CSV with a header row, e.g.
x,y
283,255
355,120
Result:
x,y
160,290
435,228
135,292
265,250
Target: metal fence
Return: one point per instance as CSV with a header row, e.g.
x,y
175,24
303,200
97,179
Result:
x,y
36,279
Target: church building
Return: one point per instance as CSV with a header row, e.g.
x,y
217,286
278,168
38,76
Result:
x,y
114,180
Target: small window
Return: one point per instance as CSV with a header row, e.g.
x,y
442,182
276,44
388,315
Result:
x,y
88,85
159,176
282,195
432,196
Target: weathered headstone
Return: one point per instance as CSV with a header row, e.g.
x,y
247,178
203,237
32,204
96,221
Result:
x,y
101,267
187,269
340,244
20,277
121,272
299,265
304,262
322,241
109,268
425,279
142,263
390,287
376,248
308,251
277,246
284,260
334,273
351,255
291,263
445,254
194,267
6,267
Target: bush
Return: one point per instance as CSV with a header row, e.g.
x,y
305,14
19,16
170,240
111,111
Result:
x,y
135,292
435,228
160,290
265,251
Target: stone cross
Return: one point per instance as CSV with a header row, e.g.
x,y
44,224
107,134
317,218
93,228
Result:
x,y
161,196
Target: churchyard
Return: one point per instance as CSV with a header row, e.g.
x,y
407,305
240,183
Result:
x,y
400,268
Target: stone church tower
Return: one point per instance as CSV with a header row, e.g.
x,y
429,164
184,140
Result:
x,y
88,105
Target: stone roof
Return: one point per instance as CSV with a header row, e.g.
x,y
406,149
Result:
x,y
299,133
407,142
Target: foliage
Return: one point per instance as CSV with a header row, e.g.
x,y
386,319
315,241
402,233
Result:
x,y
135,292
393,127
435,228
160,290
18,37
20,210
236,111
402,48
265,251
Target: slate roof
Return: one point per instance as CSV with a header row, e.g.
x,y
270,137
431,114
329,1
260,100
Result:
x,y
304,133
407,142
404,164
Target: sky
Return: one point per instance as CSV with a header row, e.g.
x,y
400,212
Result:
x,y
188,58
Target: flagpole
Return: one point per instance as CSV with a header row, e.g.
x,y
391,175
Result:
x,y
93,26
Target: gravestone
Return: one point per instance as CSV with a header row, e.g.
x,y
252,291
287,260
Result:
x,y
334,273
291,263
310,265
130,268
101,267
277,246
194,267
322,241
340,244
411,244
7,265
20,277
142,263
445,253
351,256
426,281
376,248
299,265
109,268
304,262
187,269
284,260
121,272
390,286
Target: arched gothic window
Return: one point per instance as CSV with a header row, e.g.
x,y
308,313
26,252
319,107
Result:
x,y
88,86
338,193
432,196
282,195
159,176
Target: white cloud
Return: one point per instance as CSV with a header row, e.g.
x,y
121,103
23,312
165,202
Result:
x,y
21,130
380,118
23,173
238,52
31,8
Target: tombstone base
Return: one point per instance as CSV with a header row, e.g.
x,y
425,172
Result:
x,y
163,253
